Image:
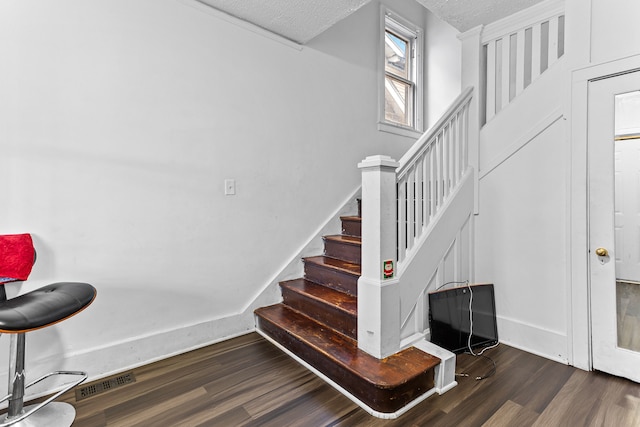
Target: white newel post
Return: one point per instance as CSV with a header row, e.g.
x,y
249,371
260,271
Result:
x,y
378,289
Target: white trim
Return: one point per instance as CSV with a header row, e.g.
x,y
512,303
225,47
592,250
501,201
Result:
x,y
150,348
525,18
526,138
417,78
580,295
548,343
473,32
210,10
398,130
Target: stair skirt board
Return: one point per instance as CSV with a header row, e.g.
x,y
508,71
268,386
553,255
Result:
x,y
383,415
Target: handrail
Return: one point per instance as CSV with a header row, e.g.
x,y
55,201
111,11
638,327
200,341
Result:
x,y
421,145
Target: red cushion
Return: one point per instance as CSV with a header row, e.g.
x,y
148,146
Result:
x,y
16,257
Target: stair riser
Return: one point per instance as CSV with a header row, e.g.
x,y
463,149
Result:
x,y
385,400
352,228
322,312
341,250
332,278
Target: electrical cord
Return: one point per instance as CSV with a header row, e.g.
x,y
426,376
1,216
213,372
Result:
x,y
471,325
471,352
466,282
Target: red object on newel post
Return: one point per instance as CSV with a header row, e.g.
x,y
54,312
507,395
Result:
x,y
387,269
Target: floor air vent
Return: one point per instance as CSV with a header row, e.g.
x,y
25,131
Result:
x,y
104,385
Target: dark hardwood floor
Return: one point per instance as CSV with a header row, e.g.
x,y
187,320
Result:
x,y
247,381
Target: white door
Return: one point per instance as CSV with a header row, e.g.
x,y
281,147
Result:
x,y
614,236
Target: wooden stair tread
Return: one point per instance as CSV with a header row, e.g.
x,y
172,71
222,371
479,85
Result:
x,y
351,218
341,300
343,238
336,264
389,373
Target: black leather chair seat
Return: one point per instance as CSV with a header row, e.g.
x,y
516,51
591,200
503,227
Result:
x,y
44,306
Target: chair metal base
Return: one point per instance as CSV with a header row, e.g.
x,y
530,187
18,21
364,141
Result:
x,y
17,415
55,414
35,410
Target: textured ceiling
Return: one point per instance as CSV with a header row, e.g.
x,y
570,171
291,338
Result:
x,y
466,14
302,20
297,20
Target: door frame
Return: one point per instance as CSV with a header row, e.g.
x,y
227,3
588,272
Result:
x,y
579,313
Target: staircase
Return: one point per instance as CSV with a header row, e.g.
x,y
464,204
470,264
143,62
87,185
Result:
x,y
317,323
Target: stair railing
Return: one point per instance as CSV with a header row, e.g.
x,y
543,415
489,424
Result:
x,y
402,203
429,172
517,49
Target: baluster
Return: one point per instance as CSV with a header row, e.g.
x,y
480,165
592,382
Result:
x,y
433,171
402,218
452,151
528,56
499,77
544,46
492,76
535,50
411,200
458,156
561,30
520,39
553,40
426,171
419,196
506,67
465,150
439,173
446,143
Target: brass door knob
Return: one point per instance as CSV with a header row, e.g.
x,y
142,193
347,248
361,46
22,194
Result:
x,y
602,252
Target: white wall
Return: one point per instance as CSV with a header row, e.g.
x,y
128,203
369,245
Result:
x,y
532,228
120,122
601,30
614,29
523,229
521,244
443,68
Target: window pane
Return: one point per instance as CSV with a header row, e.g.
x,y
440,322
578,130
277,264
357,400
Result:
x,y
398,101
395,52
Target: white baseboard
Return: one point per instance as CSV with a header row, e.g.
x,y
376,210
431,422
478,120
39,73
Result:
x,y
101,362
533,339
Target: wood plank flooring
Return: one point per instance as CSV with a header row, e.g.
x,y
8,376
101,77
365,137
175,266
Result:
x,y
246,381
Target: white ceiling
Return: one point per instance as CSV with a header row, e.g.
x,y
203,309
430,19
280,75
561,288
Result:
x,y
302,20
296,20
466,14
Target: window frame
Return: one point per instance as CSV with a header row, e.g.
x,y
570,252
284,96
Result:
x,y
394,23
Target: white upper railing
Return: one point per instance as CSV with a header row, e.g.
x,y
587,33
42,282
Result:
x,y
517,50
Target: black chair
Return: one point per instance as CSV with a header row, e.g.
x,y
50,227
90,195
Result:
x,y
37,309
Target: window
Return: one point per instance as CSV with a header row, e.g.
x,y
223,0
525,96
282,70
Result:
x,y
400,95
